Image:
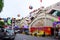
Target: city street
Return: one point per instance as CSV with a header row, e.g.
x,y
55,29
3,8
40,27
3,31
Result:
x,y
30,20
28,37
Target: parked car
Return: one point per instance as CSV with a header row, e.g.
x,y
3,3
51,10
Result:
x,y
1,33
9,34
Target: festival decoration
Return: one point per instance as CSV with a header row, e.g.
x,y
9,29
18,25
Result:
x,y
30,7
18,15
25,26
55,23
40,0
9,22
52,20
59,18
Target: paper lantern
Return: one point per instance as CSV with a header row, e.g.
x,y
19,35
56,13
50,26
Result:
x,y
40,0
59,18
18,15
52,20
55,23
25,26
9,22
30,7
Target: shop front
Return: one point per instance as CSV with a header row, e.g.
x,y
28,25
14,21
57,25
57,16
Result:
x,y
41,31
56,29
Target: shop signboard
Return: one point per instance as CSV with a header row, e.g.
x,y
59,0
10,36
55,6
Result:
x,y
46,29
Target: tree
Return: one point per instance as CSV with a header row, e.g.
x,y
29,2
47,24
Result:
x,y
1,5
2,23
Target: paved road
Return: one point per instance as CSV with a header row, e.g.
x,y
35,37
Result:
x,y
28,37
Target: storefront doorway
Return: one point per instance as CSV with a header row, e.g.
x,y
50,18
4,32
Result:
x,y
56,28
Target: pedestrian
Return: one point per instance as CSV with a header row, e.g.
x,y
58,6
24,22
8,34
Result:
x,y
26,29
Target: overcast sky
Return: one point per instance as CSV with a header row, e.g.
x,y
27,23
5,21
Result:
x,y
14,7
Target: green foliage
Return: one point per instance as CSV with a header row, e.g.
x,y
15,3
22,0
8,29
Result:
x,y
2,23
1,5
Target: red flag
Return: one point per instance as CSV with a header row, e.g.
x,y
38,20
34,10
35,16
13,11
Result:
x,y
40,0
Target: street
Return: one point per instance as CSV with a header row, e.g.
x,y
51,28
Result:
x,y
28,37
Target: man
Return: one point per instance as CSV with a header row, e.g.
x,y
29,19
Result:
x,y
26,29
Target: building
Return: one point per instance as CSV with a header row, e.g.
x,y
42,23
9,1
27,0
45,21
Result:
x,y
45,19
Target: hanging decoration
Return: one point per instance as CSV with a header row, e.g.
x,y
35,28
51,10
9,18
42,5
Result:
x,y
59,18
52,20
18,15
30,7
9,22
40,0
55,23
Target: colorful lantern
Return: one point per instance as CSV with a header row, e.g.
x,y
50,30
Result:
x,y
54,24
52,20
25,26
30,7
40,0
18,15
9,22
59,18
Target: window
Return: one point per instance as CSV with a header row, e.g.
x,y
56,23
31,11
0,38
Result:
x,y
52,11
32,18
55,12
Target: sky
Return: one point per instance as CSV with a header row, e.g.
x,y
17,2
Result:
x,y
14,7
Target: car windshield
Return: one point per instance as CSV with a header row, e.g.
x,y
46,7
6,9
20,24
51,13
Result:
x,y
9,31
